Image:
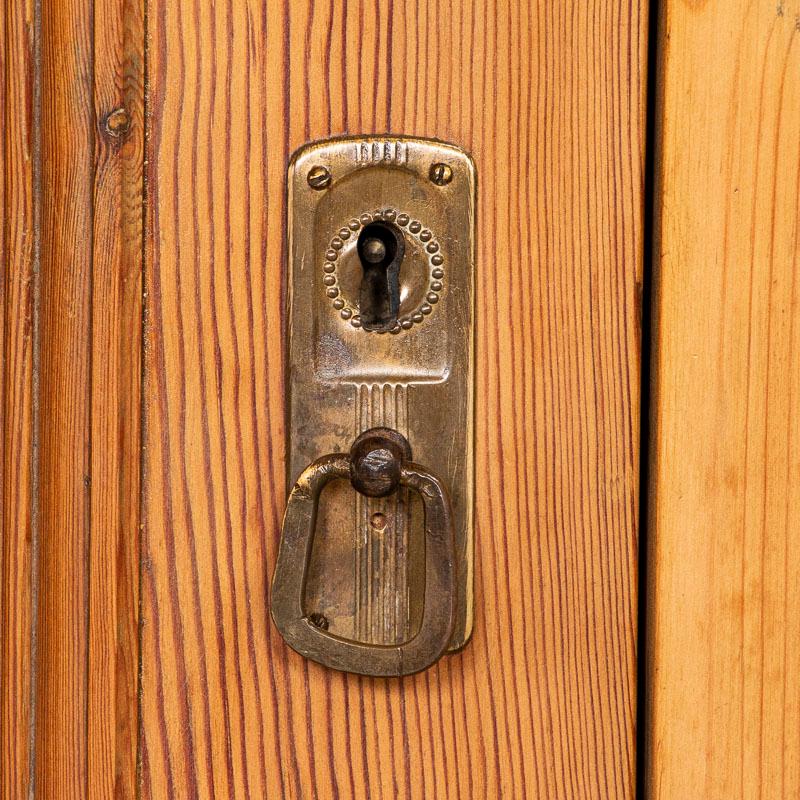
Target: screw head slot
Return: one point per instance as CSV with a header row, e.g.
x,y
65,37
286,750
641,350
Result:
x,y
441,174
319,177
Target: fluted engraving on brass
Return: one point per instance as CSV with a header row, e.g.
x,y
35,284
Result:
x,y
380,335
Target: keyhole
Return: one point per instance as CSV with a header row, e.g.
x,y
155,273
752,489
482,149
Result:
x,y
380,248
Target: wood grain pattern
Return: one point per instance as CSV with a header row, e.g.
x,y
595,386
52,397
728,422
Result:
x,y
724,659
72,342
64,376
114,556
18,287
548,97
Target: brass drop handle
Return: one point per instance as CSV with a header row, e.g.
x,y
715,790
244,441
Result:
x,y
377,465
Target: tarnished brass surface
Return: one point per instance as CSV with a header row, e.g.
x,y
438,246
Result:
x,y
366,574
378,462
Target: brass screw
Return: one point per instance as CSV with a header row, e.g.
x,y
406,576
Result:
x,y
441,174
319,177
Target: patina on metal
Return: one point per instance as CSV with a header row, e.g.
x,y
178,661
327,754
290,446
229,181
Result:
x,y
378,464
380,335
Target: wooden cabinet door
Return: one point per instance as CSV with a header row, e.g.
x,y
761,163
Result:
x,y
723,665
146,148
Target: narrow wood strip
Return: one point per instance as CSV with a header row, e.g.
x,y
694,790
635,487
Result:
x,y
70,397
67,132
115,398
17,367
724,658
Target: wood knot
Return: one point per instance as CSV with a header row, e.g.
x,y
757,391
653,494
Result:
x,y
117,123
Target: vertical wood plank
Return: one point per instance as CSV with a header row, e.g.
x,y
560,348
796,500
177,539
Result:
x,y
113,652
724,659
72,236
549,100
64,464
18,285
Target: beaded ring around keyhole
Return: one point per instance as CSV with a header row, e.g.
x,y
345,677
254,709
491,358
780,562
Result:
x,y
414,229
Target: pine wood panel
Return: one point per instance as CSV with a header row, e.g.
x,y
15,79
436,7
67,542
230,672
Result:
x,y
724,659
114,556
16,410
72,343
548,97
64,421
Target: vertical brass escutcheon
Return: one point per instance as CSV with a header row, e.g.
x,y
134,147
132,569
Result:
x,y
380,336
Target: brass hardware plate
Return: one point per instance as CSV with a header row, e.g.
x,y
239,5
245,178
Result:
x,y
378,465
366,573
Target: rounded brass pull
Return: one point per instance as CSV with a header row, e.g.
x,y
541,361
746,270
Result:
x,y
376,466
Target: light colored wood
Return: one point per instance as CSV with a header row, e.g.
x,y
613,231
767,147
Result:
x,y
548,97
72,240
724,627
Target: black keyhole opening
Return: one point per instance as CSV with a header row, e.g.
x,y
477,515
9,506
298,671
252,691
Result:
x,y
380,249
